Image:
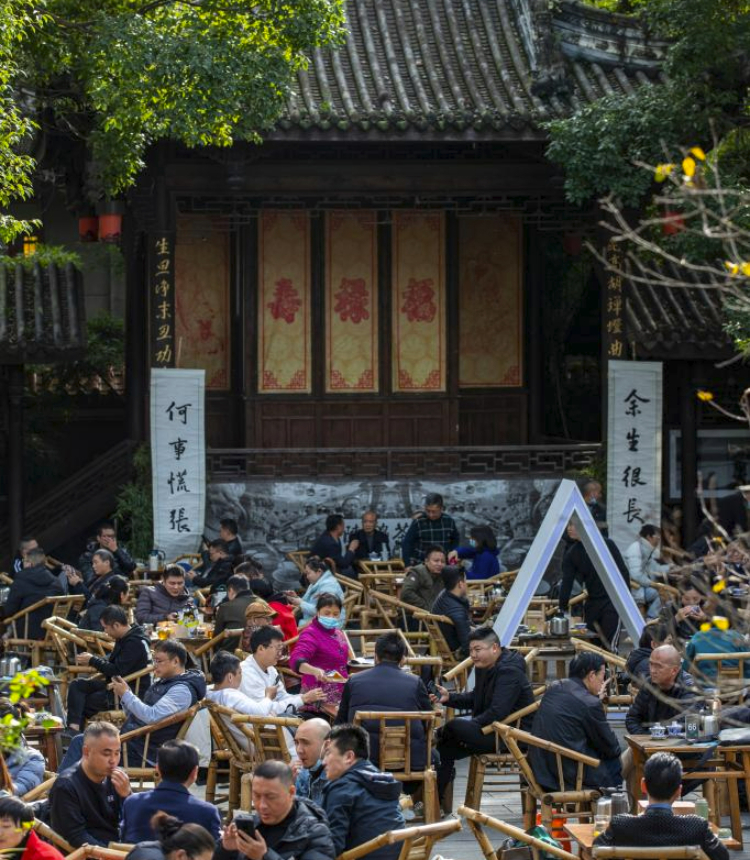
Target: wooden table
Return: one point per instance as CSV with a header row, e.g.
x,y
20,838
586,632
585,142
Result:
x,y
583,834
49,742
725,764
553,649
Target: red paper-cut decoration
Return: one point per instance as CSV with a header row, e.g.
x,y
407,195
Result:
x,y
286,301
351,300
418,301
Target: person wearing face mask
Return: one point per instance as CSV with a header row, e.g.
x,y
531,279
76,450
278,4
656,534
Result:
x,y
482,552
322,652
322,581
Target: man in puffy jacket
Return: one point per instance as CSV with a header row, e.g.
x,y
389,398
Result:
x,y
501,688
360,801
641,558
33,584
286,827
132,652
164,601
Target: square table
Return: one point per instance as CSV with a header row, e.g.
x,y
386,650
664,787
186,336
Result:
x,y
583,834
721,764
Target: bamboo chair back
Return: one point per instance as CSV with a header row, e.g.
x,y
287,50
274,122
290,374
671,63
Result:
x,y
477,821
266,734
298,557
683,852
395,739
205,652
417,842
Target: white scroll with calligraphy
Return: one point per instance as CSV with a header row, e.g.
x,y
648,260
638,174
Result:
x,y
178,459
634,446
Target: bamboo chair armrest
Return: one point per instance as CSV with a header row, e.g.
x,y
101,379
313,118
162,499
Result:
x,y
683,852
133,675
127,847
511,718
440,829
708,658
45,830
29,609
39,790
574,601
396,715
289,722
549,746
226,633
583,796
422,615
516,832
161,724
458,668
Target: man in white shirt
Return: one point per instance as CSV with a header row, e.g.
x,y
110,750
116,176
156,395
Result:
x,y
226,674
259,674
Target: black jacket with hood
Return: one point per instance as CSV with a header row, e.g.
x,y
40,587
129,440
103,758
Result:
x,y
360,805
30,586
130,654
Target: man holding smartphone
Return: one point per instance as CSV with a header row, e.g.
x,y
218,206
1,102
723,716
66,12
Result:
x,y
283,827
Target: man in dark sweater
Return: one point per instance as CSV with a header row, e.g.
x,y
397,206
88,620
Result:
x,y
452,603
219,569
106,538
665,697
86,799
32,584
500,689
599,612
331,545
132,652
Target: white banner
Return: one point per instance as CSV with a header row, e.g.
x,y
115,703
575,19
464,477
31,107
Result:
x,y
178,459
634,446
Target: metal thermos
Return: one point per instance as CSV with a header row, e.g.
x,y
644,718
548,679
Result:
x,y
620,804
559,625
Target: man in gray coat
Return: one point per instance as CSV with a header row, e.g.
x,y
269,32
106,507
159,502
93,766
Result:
x,y
164,601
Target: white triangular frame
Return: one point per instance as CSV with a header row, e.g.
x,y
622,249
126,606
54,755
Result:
x,y
568,503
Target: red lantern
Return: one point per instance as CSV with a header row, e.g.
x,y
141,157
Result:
x,y
110,228
673,223
88,228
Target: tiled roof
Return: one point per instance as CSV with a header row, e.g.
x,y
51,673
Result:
x,y
675,322
429,68
41,314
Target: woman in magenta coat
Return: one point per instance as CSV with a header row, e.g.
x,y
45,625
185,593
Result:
x,y
322,652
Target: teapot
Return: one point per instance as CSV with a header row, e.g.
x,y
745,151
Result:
x,y
156,559
559,625
10,666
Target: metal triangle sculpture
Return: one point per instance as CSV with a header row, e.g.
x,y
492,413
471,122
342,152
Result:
x,y
568,503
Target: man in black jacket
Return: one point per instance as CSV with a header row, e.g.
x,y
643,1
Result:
x,y
452,603
370,538
86,799
665,697
33,584
330,545
218,572
386,688
599,612
500,689
106,538
571,714
131,653
659,827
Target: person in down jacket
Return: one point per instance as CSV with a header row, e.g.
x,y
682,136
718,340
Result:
x,y
360,801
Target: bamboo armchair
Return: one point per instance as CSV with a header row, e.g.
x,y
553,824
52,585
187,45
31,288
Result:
x,y
206,651
683,852
96,853
115,714
613,660
52,836
41,791
395,748
418,842
729,679
268,739
478,820
232,746
298,557
438,643
18,624
502,763
576,802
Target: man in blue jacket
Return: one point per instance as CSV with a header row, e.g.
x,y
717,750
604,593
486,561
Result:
x,y
177,765
360,801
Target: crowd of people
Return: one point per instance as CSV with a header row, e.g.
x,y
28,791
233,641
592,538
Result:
x,y
329,795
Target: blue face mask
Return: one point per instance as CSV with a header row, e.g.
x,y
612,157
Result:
x,y
472,542
328,622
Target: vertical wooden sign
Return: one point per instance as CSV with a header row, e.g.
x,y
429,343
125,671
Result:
x,y
162,299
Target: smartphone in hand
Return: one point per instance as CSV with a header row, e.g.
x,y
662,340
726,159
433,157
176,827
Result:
x,y
245,822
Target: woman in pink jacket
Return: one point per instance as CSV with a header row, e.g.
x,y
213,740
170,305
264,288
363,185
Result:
x,y
322,652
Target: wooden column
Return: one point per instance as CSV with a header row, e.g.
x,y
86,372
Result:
x,y
533,334
15,378
689,462
135,324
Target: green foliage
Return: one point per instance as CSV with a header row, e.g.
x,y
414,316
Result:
x,y
21,686
134,510
45,255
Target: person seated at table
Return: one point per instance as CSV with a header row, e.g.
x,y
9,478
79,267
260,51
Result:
x,y
165,600
216,573
259,674
309,743
422,583
652,636
229,533
331,545
571,714
257,614
322,650
177,769
17,834
103,569
720,638
321,581
106,539
230,614
386,688
371,540
501,688
287,827
115,594
85,800
664,697
278,598
25,765
33,584
175,840
132,652
360,801
226,675
453,603
685,615
482,552
659,827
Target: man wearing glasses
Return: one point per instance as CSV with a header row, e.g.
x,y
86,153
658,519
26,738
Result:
x,y
500,688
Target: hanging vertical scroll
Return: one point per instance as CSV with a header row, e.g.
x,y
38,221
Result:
x,y
284,303
351,302
161,279
202,299
419,354
491,302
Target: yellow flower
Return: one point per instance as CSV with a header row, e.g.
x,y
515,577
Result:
x,y
721,622
720,586
745,269
732,268
705,396
698,153
663,171
688,167
705,626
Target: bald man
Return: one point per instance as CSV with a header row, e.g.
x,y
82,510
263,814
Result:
x,y
309,741
667,694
